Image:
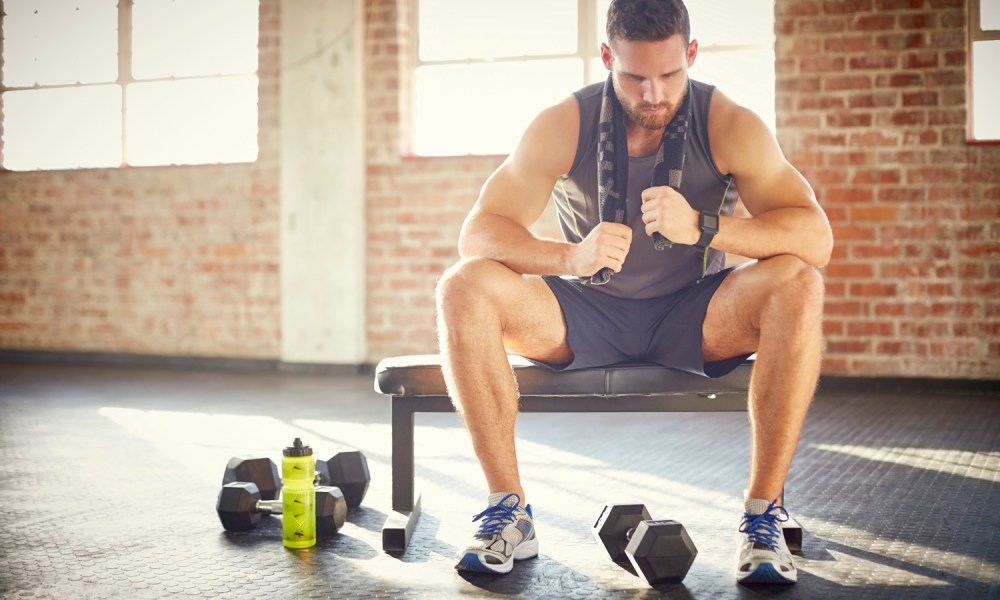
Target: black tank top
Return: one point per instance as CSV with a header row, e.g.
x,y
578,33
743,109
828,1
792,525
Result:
x,y
647,272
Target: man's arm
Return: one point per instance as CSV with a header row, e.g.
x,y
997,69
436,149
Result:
x,y
515,196
786,219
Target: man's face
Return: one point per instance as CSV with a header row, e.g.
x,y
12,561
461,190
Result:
x,y
650,78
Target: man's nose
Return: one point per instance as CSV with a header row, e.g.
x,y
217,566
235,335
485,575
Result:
x,y
653,92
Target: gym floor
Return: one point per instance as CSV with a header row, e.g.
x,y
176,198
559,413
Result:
x,y
109,476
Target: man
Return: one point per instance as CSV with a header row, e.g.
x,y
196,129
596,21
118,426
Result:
x,y
626,299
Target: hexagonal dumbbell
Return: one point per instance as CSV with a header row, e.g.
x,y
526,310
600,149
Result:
x,y
658,551
347,470
240,508
256,469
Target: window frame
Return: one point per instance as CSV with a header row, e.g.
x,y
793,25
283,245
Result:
x,y
123,80
976,34
586,45
588,51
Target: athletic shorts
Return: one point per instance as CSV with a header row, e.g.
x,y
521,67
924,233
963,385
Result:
x,y
605,330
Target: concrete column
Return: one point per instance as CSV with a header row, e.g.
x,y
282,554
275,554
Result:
x,y
322,182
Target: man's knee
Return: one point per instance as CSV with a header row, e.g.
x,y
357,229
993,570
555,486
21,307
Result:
x,y
467,285
795,287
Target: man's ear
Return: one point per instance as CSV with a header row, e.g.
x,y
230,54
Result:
x,y
606,56
692,52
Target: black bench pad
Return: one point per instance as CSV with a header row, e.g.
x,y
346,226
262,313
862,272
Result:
x,y
420,375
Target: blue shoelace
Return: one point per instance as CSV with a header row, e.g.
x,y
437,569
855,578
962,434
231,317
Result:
x,y
765,528
496,517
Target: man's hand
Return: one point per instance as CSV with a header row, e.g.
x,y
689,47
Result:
x,y
664,210
605,246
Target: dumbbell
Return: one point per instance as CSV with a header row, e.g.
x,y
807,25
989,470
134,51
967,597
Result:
x,y
347,470
259,470
240,507
658,551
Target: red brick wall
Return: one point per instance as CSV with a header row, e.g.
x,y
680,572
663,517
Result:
x,y
871,97
871,107
162,260
415,205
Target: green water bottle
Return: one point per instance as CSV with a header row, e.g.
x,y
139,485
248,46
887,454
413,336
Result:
x,y
298,496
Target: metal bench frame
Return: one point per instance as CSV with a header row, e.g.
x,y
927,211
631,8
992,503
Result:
x,y
415,384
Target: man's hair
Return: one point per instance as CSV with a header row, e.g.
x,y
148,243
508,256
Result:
x,y
647,20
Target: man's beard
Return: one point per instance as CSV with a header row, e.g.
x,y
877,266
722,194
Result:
x,y
654,121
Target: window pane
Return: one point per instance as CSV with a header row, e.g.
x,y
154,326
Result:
x,y
598,72
59,41
62,128
989,15
985,90
727,23
192,122
484,108
193,37
457,29
602,20
746,76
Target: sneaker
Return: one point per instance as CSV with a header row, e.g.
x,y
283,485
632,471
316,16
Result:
x,y
764,555
506,533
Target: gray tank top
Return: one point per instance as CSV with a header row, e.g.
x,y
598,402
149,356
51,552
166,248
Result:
x,y
647,272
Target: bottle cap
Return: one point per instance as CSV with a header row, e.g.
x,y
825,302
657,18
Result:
x,y
297,449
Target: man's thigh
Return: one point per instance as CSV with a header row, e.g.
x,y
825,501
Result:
x,y
728,329
531,320
732,321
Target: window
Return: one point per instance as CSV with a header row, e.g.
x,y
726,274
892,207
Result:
x,y
984,56
486,69
103,83
482,73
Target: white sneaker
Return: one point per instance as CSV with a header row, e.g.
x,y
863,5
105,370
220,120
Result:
x,y
763,553
506,534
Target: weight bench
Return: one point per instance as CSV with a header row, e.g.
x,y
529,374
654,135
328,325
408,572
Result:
x,y
415,384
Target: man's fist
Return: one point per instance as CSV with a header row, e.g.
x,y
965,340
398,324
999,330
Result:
x,y
665,211
605,246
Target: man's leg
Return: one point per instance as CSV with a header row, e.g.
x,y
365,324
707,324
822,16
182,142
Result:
x,y
773,307
484,307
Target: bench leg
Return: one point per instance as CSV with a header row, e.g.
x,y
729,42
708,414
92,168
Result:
x,y
405,505
792,531
398,528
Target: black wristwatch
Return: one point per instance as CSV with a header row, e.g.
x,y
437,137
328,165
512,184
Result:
x,y
709,223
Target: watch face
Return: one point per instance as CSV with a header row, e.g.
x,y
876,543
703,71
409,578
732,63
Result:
x,y
710,222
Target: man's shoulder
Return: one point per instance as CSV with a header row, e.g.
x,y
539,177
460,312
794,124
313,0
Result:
x,y
590,92
588,100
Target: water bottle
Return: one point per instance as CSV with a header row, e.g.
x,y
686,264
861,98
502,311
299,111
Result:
x,y
298,496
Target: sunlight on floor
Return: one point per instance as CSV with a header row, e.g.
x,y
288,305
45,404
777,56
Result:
x,y
202,442
982,465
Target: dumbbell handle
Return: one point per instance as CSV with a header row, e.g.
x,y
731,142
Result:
x,y
269,507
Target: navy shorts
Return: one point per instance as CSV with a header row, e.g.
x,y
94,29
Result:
x,y
605,330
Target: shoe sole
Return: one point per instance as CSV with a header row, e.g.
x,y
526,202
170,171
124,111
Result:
x,y
471,561
766,573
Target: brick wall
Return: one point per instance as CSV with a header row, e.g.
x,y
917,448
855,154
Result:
x,y
161,260
184,260
871,107
415,205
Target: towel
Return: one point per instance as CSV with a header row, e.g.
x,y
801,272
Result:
x,y
612,163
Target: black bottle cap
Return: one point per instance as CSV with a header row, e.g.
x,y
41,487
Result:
x,y
297,449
